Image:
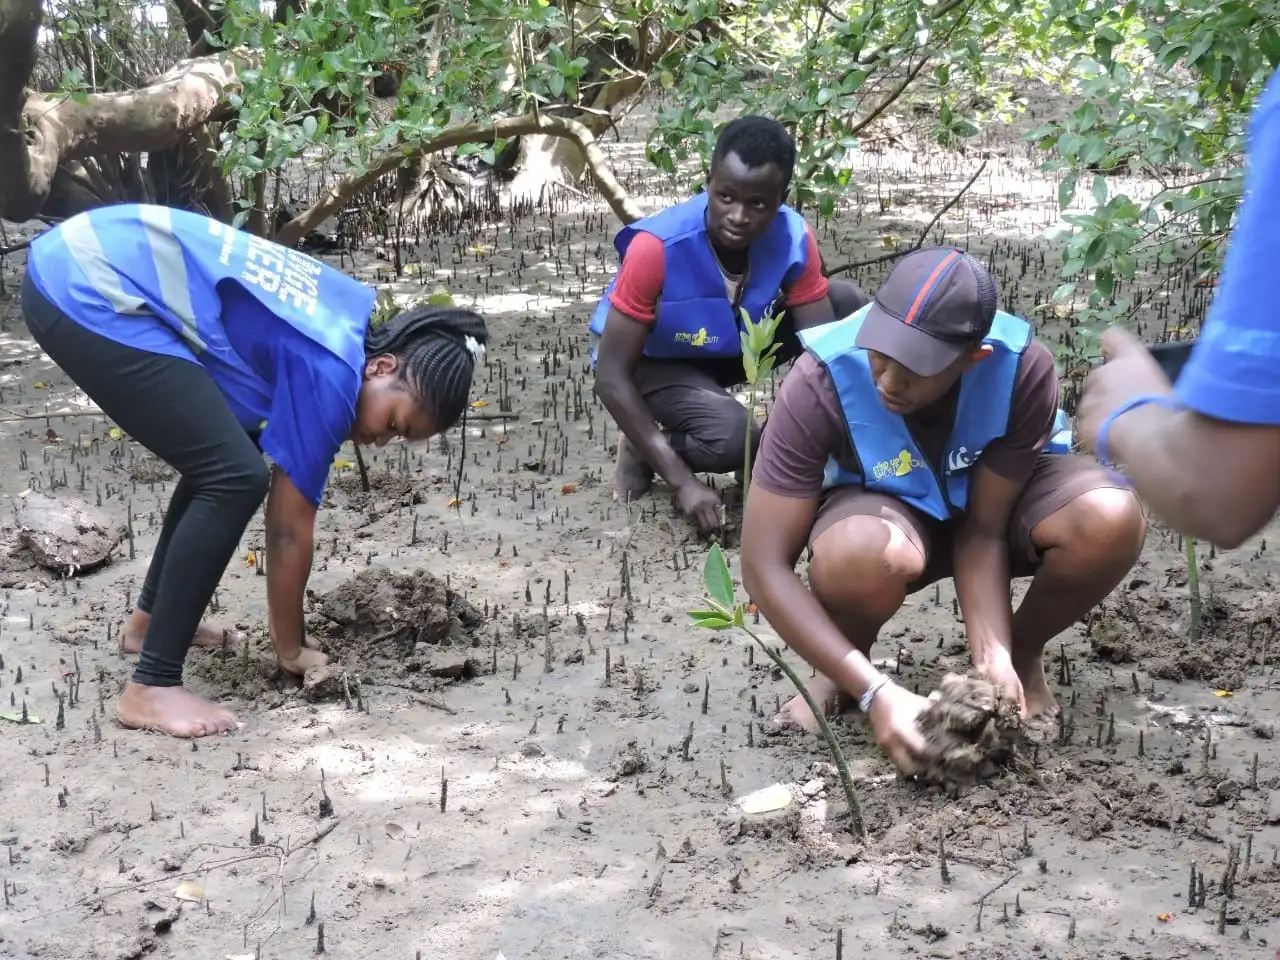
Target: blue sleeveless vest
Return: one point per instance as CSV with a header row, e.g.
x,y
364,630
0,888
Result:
x,y
891,462
695,318
109,265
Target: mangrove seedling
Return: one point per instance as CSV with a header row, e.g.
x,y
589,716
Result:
x,y
724,612
759,353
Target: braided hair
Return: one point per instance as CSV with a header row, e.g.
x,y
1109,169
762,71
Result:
x,y
437,348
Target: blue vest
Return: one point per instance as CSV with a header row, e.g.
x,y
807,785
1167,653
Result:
x,y
119,269
890,461
695,318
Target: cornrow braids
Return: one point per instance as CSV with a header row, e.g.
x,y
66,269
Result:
x,y
437,348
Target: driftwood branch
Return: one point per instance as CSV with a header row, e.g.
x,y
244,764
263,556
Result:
x,y
920,240
345,191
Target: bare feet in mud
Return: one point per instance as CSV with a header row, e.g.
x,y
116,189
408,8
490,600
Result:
x,y
632,478
207,635
1041,704
796,713
173,710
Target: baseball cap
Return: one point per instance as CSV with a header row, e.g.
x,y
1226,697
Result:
x,y
935,305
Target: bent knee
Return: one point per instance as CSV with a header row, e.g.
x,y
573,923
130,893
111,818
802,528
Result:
x,y
1105,523
864,555
247,480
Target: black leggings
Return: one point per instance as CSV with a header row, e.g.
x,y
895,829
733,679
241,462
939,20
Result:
x,y
173,408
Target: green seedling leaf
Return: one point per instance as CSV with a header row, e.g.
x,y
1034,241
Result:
x,y
714,623
705,614
715,574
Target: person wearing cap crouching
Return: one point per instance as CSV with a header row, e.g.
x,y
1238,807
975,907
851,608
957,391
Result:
x,y
916,439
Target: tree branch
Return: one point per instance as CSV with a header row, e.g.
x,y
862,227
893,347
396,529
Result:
x,y
924,234
342,193
155,117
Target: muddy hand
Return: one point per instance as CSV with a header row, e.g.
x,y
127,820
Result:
x,y
893,719
304,661
1001,672
700,503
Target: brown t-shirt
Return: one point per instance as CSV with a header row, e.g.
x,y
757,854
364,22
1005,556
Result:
x,y
806,426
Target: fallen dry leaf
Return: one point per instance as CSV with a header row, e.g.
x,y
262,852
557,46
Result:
x,y
250,559
394,831
569,488
190,891
479,403
340,464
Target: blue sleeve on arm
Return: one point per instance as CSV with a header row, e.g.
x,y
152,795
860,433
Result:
x,y
312,409
1231,374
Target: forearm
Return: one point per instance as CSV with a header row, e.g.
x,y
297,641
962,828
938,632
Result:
x,y
623,401
804,625
289,556
981,564
1157,450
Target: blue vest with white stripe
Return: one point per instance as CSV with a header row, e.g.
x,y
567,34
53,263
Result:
x,y
694,317
140,260
890,461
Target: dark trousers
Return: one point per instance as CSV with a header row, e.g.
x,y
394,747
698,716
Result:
x,y
173,408
704,423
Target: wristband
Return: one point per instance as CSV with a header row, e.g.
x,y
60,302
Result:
x,y
869,694
1160,400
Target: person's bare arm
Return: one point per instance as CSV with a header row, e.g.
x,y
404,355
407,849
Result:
x,y
1212,479
813,314
620,349
291,519
981,562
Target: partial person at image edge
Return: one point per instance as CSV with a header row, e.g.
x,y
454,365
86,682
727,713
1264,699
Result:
x,y
1205,455
209,346
916,440
665,336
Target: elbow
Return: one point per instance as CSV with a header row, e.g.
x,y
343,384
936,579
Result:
x,y
1228,529
1223,519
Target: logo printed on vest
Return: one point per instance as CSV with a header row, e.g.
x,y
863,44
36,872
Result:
x,y
899,466
699,339
961,459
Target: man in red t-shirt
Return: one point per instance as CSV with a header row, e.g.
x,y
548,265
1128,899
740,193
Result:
x,y
1060,518
676,415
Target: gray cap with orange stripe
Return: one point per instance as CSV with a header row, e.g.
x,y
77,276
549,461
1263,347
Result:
x,y
936,305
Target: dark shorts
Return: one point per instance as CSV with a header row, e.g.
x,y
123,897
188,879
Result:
x,y
1056,481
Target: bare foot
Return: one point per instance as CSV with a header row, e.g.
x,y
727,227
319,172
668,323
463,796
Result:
x,y
632,477
1040,701
172,710
207,635
795,712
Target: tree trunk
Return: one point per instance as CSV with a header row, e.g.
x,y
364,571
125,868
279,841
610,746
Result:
x,y
41,135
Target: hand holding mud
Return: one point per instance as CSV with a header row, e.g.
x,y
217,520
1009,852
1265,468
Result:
x,y
304,661
701,504
893,715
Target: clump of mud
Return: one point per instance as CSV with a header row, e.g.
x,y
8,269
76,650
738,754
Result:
x,y
64,534
1152,631
383,624
969,729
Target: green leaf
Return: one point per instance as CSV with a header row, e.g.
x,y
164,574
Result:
x,y
556,84
715,574
1066,191
1100,190
309,125
713,623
